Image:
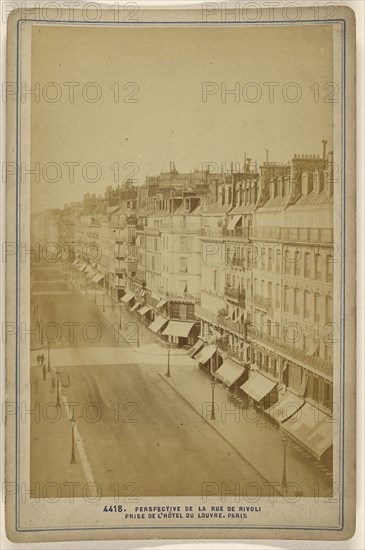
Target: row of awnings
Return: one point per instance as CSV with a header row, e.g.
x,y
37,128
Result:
x,y
312,429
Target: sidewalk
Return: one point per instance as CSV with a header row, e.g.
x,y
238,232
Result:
x,y
50,434
253,435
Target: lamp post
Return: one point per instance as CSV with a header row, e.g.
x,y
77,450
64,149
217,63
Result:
x,y
284,439
48,356
73,456
168,358
212,414
58,403
120,317
104,301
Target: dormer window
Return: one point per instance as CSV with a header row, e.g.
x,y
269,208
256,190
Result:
x,y
318,182
307,184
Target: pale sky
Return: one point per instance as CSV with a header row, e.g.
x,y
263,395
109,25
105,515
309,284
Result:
x,y
170,120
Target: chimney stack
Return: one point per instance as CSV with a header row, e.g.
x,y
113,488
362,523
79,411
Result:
x,y
324,141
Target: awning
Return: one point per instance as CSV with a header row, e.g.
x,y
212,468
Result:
x,y
158,323
91,275
88,268
82,266
196,347
205,354
75,262
128,296
283,409
142,292
144,310
312,348
182,287
161,303
135,306
98,278
178,328
233,222
258,386
229,372
312,428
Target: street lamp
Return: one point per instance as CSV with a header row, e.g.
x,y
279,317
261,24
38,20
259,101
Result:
x,y
49,356
212,414
284,439
73,456
168,357
58,403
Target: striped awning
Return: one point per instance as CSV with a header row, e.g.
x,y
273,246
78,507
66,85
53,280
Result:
x,y
158,323
135,306
98,277
144,310
229,372
258,386
178,328
205,354
128,296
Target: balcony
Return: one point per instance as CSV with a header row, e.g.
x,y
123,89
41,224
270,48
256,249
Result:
x,y
263,303
237,232
224,323
235,294
294,234
236,262
287,350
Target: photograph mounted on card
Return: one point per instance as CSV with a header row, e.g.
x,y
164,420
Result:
x,y
180,236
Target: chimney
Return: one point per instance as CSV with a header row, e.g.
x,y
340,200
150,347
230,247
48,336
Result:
x,y
324,141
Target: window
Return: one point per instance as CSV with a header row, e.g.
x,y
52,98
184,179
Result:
x,y
286,298
183,311
296,301
328,353
317,312
329,315
183,243
277,297
317,266
263,258
306,304
278,261
307,265
269,265
297,264
183,265
215,280
328,395
329,269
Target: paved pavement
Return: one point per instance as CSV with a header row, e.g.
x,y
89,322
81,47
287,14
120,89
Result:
x,y
134,433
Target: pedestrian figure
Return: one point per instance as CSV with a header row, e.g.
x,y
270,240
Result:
x,y
53,383
38,360
42,359
44,372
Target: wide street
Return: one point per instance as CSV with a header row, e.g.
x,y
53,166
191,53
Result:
x,y
134,434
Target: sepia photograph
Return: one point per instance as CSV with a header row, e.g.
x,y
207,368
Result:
x,y
178,203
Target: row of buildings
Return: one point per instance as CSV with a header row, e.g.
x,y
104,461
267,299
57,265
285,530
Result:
x,y
236,266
